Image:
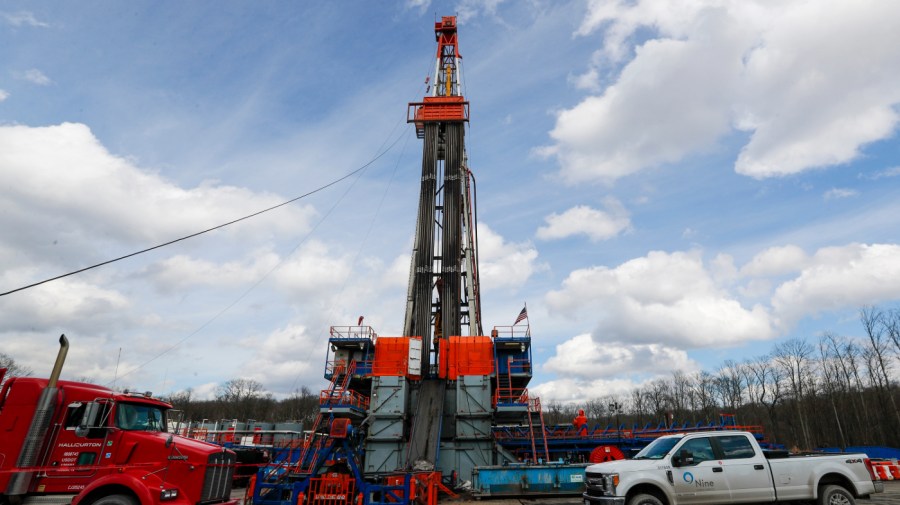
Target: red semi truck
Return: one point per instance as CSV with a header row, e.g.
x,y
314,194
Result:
x,y
67,442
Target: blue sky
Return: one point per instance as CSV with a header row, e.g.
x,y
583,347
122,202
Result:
x,y
667,187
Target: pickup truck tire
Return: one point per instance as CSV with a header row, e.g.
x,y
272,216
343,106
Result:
x,y
116,499
644,499
835,495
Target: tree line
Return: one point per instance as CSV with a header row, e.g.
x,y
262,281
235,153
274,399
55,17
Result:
x,y
834,391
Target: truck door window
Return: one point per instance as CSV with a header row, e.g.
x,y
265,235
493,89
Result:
x,y
701,448
138,417
736,447
74,413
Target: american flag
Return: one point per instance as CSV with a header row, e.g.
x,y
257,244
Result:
x,y
522,315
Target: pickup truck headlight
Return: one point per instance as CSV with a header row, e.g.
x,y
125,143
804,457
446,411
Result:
x,y
612,480
168,494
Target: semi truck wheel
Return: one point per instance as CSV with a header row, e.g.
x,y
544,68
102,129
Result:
x,y
644,499
835,495
116,499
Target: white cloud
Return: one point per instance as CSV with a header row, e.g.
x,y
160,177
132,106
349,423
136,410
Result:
x,y
663,298
774,261
285,359
466,10
419,5
586,368
3,95
841,277
881,174
34,76
181,272
62,185
22,18
589,80
811,82
69,203
838,193
569,390
579,357
504,264
582,220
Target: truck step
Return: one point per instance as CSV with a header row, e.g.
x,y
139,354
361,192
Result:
x,y
54,499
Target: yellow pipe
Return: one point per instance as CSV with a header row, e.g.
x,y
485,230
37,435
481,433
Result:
x,y
447,79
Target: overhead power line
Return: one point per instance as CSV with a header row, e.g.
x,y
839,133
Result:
x,y
192,235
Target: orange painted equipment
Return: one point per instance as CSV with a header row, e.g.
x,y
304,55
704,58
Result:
x,y
469,356
604,453
331,489
392,356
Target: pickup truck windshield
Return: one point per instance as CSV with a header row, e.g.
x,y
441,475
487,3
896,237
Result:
x,y
139,417
658,448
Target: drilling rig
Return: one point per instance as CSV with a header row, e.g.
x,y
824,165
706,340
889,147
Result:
x,y
405,416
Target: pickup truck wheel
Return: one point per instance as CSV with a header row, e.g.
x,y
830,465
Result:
x,y
116,499
644,499
835,495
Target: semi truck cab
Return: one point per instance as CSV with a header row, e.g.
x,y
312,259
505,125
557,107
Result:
x,y
67,442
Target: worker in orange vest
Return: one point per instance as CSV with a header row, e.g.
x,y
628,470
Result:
x,y
580,422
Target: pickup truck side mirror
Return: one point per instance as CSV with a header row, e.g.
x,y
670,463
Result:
x,y
684,458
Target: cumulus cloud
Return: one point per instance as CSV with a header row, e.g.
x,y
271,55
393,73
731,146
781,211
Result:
x,y
504,264
285,359
667,298
570,390
596,224
774,261
580,356
587,369
812,83
62,185
68,202
840,277
3,95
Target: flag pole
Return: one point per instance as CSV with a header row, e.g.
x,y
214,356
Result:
x,y
527,322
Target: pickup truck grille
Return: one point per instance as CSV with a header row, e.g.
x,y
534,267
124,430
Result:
x,y
595,484
217,482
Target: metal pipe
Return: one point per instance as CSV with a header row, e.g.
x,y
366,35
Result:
x,y
20,482
60,359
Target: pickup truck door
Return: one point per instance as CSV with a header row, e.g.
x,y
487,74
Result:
x,y
746,469
703,480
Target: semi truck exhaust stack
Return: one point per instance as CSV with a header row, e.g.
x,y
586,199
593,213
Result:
x,y
43,414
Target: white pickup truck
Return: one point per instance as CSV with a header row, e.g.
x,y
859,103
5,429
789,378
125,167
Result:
x,y
727,467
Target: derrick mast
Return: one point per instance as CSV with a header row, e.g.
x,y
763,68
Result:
x,y
442,297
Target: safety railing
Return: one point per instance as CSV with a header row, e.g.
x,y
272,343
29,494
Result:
x,y
343,398
506,396
353,332
520,331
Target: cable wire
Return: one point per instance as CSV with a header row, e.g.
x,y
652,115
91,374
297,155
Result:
x,y
292,200
271,270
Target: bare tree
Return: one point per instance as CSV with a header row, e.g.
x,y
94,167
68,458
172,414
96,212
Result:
x,y
728,385
13,369
793,358
831,372
875,325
